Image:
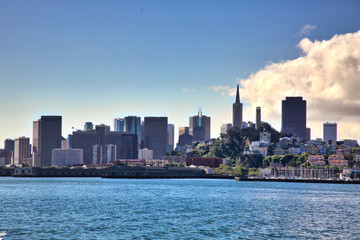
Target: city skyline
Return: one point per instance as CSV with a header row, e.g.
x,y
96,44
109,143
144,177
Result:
x,y
95,62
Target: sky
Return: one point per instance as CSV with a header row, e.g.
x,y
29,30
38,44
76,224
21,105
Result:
x,y
98,60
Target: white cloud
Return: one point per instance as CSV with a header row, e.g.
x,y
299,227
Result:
x,y
305,31
327,75
188,90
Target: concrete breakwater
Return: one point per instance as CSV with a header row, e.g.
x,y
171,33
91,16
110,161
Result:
x,y
105,172
298,180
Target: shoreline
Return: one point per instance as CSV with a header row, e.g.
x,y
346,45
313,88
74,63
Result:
x,y
204,177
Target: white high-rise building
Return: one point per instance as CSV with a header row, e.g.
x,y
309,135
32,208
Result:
x,y
66,157
146,154
110,153
97,154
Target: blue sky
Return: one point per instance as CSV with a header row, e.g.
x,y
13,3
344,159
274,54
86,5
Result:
x,y
96,60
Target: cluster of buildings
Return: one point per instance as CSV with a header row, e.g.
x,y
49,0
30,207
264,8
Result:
x,y
149,139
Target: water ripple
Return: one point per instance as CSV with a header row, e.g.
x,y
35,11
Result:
x,y
93,208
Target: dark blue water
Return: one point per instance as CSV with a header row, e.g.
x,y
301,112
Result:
x,y
94,208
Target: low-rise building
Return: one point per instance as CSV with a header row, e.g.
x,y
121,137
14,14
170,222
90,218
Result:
x,y
350,143
316,160
209,162
265,137
175,159
280,151
132,162
66,157
156,162
338,161
294,151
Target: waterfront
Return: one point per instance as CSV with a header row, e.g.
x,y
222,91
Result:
x,y
94,208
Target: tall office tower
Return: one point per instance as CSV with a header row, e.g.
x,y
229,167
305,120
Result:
x,y
88,126
97,154
126,144
119,125
308,134
293,116
330,133
183,130
171,132
102,130
21,150
9,145
225,127
46,137
3,157
258,117
155,135
36,143
133,125
110,153
237,110
198,134
200,121
85,140
142,136
69,141
184,139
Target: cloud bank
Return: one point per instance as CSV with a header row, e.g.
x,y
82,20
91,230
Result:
x,y
327,75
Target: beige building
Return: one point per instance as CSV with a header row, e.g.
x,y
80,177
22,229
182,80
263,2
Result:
x,y
21,151
156,162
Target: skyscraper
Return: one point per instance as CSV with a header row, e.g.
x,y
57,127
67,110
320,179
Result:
x,y
119,125
110,153
88,126
97,154
36,143
201,121
237,110
22,150
155,135
171,132
102,130
183,130
46,137
133,125
293,116
258,117
9,145
126,144
85,140
225,127
330,133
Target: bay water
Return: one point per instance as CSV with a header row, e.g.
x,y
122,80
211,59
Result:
x,y
95,208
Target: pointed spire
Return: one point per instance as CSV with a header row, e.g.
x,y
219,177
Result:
x,y
237,95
